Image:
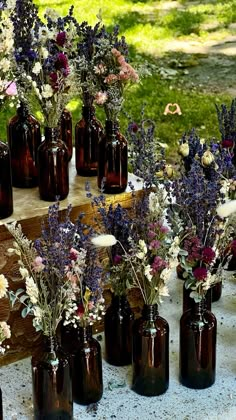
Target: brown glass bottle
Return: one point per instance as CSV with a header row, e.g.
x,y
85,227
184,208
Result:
x,y
118,322
52,384
87,134
197,347
216,291
87,369
24,138
53,172
66,131
189,302
112,160
150,353
6,201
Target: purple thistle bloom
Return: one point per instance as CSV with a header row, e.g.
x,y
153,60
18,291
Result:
x,y
208,255
200,273
61,38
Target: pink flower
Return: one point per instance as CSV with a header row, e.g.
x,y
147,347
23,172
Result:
x,y
72,278
100,98
11,89
111,78
155,244
200,273
90,305
38,265
158,264
74,254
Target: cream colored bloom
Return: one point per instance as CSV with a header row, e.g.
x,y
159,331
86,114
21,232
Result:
x,y
31,289
5,331
3,285
226,209
163,290
104,240
37,68
153,202
24,272
47,91
147,272
184,149
207,158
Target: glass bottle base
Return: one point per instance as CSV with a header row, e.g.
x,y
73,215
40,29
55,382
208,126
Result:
x,y
199,381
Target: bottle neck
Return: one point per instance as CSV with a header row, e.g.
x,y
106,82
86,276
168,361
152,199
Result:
x,y
50,343
85,333
111,127
150,312
88,112
199,308
52,134
22,111
119,301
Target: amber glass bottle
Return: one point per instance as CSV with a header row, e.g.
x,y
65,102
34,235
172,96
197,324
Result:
x,y
188,302
87,134
66,131
53,169
6,201
24,138
150,353
118,322
112,160
52,383
87,369
197,347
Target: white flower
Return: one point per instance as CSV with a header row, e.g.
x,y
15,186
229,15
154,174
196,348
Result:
x,y
3,285
163,290
47,91
5,65
37,68
165,274
5,331
147,272
31,289
104,240
174,248
44,52
143,249
184,149
153,202
52,14
226,209
24,272
38,315
207,158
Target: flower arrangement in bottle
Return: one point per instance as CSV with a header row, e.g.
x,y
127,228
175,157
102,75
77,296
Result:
x,y
8,90
196,197
45,69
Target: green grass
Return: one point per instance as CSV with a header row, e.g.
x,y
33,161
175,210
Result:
x,y
150,28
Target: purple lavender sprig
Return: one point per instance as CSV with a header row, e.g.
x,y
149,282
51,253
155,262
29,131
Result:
x,y
227,121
